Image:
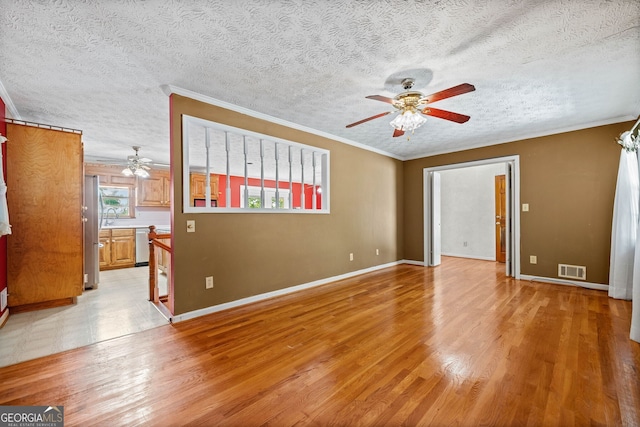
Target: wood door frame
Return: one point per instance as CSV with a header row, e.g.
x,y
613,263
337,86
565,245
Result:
x,y
512,170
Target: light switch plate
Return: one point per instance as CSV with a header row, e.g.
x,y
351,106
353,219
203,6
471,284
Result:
x,y
525,207
191,226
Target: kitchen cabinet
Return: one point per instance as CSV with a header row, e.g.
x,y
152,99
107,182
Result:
x,y
110,175
198,187
45,249
118,248
154,190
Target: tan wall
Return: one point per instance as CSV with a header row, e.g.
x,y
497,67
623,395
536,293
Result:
x,y
250,254
567,179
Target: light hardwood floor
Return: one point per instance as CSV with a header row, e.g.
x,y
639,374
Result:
x,y
459,344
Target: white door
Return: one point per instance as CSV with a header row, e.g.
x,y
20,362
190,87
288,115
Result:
x,y
436,231
432,230
510,210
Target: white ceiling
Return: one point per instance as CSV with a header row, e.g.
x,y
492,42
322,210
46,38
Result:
x,y
539,67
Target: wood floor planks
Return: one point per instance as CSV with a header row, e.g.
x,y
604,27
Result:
x,y
459,344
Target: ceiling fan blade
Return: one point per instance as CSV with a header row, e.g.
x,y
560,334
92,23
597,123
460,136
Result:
x,y
380,98
368,118
448,93
397,133
447,115
146,160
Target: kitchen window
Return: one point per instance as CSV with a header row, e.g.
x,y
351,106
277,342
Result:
x,y
116,203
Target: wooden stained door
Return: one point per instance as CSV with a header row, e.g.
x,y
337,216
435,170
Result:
x,y
45,249
501,218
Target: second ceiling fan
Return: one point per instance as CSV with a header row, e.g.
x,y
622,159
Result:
x,y
411,103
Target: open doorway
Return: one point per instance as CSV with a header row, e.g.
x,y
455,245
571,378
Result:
x,y
463,220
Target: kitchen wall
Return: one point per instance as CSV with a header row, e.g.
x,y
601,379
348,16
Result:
x,y
146,216
254,253
3,239
568,180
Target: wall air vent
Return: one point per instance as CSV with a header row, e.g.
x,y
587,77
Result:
x,y
572,271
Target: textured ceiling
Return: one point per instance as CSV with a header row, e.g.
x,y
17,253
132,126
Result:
x,y
539,67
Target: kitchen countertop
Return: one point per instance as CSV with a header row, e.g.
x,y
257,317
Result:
x,y
158,227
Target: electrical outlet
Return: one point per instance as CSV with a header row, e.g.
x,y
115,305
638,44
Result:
x,y
533,259
351,256
209,282
191,226
377,251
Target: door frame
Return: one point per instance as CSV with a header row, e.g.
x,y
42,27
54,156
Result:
x,y
512,172
500,181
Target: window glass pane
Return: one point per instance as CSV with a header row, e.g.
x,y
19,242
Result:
x,y
116,202
254,202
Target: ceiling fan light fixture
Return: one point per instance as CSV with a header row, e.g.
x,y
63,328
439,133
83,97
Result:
x,y
136,166
408,121
141,173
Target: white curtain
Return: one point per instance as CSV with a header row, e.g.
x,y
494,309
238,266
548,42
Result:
x,y
635,295
625,227
624,271
5,228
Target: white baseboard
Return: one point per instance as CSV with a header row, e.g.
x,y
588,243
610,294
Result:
x,y
412,262
483,258
4,318
255,298
554,281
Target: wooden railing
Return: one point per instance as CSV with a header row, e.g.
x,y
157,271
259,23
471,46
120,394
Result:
x,y
159,260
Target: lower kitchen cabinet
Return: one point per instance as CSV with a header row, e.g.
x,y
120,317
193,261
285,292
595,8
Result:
x,y
118,248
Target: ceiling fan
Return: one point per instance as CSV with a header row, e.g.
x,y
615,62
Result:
x,y
137,166
411,103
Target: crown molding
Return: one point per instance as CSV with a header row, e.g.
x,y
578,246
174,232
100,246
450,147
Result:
x,y
11,107
170,89
532,135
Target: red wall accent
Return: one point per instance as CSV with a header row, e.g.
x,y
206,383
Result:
x,y
237,181
3,239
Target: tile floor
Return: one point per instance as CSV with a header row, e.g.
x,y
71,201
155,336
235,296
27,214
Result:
x,y
118,307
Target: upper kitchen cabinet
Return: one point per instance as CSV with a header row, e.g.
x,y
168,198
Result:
x,y
199,187
109,175
154,190
44,177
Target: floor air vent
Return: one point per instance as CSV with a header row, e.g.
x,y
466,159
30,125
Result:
x,y
572,271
